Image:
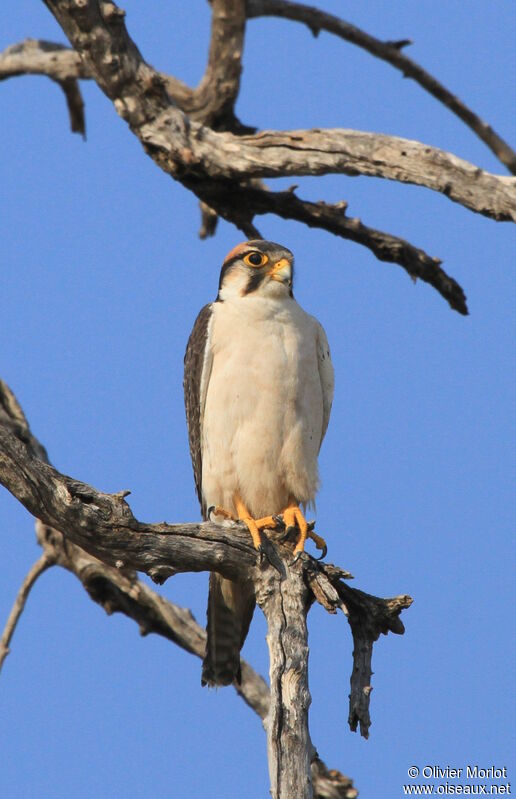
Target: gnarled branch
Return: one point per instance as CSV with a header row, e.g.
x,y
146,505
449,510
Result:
x,y
293,586
391,52
192,151
213,101
225,170
240,204
60,63
42,564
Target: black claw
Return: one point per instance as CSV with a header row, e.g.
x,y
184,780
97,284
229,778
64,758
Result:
x,y
279,521
210,511
271,557
323,553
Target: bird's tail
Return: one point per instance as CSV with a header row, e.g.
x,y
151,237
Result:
x,y
230,610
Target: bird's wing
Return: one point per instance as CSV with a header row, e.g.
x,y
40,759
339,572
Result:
x,y
326,375
198,363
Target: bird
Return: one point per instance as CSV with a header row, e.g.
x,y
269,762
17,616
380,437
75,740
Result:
x,y
258,387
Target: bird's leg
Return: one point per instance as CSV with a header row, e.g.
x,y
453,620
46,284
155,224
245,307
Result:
x,y
292,516
253,525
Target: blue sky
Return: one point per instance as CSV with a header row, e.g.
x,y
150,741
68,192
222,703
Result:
x,y
102,276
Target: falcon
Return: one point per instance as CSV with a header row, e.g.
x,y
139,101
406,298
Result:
x,y
258,386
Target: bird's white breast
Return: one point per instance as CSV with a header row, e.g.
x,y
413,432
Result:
x,y
263,413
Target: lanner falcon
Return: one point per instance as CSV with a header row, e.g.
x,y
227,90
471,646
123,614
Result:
x,y
258,388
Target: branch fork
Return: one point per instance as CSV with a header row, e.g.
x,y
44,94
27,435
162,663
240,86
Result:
x,y
104,545
196,138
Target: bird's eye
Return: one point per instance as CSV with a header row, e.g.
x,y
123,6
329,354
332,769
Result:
x,y
255,259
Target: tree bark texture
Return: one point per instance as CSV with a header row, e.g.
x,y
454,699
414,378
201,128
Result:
x,y
104,545
283,597
195,137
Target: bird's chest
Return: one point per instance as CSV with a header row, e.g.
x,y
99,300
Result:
x,y
261,356
263,412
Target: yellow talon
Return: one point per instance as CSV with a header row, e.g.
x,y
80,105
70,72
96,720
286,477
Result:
x,y
292,517
319,542
253,525
217,510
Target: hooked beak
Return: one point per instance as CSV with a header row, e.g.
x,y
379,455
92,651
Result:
x,y
282,271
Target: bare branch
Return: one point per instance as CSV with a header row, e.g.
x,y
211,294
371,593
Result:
x,y
283,597
65,66
188,151
75,105
251,197
39,57
391,53
369,617
41,565
13,419
209,221
104,526
272,154
213,101
219,167
61,64
120,591
117,589
239,203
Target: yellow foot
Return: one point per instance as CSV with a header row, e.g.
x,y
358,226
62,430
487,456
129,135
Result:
x,y
319,542
292,517
253,525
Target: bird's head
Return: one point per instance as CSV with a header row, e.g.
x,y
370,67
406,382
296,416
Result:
x,y
257,267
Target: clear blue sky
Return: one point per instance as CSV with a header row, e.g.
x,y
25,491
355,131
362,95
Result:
x,y
102,276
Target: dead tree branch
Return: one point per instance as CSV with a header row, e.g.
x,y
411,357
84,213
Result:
x,y
38,57
118,590
391,52
103,526
41,565
204,154
57,62
241,205
219,166
213,101
283,597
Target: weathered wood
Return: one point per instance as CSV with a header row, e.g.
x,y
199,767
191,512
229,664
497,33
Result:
x,y
283,597
224,170
106,545
390,52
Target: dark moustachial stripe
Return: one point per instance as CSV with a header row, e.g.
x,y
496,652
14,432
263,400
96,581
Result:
x,y
255,280
228,263
226,266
